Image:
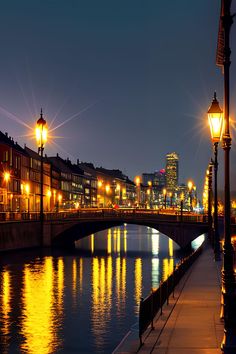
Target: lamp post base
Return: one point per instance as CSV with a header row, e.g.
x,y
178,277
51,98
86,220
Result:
x,y
228,344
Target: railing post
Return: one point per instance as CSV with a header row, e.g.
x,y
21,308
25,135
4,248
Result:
x,y
152,309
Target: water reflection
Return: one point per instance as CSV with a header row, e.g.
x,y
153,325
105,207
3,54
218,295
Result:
x,y
40,309
86,300
137,283
5,309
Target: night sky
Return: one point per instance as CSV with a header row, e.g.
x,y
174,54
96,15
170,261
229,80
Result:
x,y
132,80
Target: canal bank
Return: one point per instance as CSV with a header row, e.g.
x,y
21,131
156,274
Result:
x,y
190,323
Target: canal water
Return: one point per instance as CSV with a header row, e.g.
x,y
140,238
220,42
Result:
x,y
82,301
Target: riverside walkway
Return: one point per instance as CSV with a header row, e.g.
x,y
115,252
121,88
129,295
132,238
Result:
x,y
190,324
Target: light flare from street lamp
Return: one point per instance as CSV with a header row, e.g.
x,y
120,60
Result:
x,y
27,189
137,181
6,176
41,131
99,184
190,185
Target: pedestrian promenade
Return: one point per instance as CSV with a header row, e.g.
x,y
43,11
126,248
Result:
x,y
190,324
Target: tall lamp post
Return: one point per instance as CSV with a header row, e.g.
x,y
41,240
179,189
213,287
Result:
x,y
228,275
215,118
41,138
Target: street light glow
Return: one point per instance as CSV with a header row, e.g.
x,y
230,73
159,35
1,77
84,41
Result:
x,y
215,119
6,176
41,131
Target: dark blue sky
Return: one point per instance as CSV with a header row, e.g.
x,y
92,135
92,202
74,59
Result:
x,y
142,73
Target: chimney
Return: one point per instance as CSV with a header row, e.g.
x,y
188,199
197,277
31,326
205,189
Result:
x,y
78,162
6,134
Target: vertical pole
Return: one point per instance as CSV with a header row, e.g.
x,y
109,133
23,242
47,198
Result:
x,y
41,184
210,205
216,228
228,276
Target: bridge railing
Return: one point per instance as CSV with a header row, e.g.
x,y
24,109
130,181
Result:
x,y
105,213
153,303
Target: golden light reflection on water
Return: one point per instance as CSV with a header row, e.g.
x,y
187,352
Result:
x,y
40,318
101,296
137,282
81,273
168,267
60,284
118,241
106,276
109,248
125,239
5,310
74,281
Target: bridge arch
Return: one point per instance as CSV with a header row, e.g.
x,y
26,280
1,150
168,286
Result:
x,y
183,235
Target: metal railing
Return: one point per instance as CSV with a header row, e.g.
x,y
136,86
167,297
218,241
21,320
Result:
x,y
153,303
85,213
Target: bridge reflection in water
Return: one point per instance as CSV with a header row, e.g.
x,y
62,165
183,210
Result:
x,y
83,301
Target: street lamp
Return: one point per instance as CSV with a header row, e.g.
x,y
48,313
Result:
x,y
215,118
190,188
228,275
41,138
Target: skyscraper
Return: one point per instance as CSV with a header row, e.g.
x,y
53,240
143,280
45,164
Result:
x,y
172,171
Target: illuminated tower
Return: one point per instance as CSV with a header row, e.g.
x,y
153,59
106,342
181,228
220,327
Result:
x,y
172,171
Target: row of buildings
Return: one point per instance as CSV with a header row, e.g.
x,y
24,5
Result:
x,y
68,186
65,185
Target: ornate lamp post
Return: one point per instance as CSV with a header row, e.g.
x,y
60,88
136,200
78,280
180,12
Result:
x,y
41,138
215,118
190,188
228,275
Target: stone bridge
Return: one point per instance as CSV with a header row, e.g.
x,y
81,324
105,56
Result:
x,y
63,229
